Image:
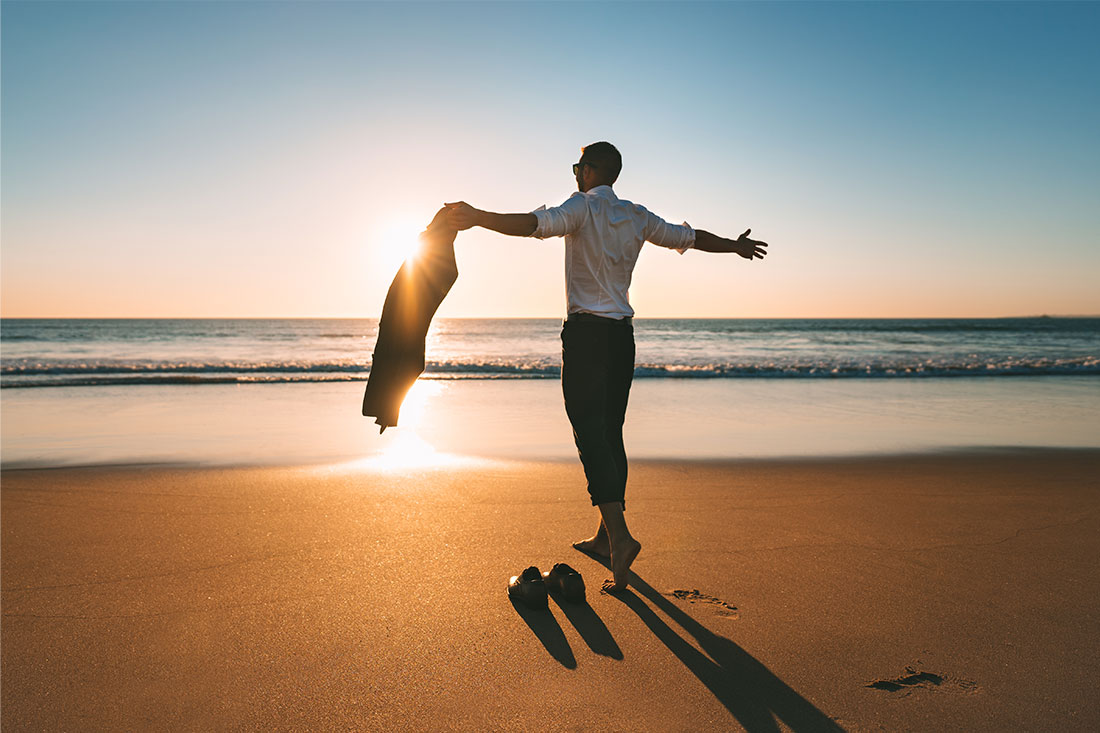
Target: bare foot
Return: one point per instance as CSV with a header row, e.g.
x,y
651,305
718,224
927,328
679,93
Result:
x,y
622,556
598,544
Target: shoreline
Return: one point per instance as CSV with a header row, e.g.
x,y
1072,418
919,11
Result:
x,y
288,424
486,462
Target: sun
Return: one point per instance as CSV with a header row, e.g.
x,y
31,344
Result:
x,y
400,238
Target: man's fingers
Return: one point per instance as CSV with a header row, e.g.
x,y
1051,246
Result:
x,y
745,234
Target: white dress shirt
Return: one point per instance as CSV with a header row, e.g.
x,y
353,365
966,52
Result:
x,y
603,237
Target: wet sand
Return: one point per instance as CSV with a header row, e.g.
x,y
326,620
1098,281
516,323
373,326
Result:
x,y
934,592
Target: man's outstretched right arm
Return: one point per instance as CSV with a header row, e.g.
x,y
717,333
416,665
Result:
x,y
747,248
682,238
463,216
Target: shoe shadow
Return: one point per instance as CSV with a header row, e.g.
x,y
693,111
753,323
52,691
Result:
x,y
548,631
590,626
745,686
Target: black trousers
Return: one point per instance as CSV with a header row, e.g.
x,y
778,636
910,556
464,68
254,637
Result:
x,y
597,368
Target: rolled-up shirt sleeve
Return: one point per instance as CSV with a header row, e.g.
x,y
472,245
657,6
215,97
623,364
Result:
x,y
680,237
561,220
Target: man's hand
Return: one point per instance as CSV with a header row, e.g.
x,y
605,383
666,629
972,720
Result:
x,y
462,216
749,248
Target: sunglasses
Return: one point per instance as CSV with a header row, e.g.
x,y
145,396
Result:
x,y
577,167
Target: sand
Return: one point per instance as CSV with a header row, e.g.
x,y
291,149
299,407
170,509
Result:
x,y
934,592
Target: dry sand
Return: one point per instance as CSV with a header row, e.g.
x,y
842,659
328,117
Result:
x,y
948,592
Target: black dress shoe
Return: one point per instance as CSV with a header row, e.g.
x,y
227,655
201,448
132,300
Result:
x,y
566,582
528,588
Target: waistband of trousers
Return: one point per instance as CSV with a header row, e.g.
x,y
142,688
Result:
x,y
593,318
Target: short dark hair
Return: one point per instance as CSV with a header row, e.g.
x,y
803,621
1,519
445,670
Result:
x,y
605,158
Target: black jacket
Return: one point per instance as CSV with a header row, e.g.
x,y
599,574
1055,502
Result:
x,y
412,300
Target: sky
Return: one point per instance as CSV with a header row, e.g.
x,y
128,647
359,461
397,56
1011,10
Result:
x,y
276,159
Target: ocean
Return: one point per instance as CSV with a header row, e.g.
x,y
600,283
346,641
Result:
x,y
89,353
289,390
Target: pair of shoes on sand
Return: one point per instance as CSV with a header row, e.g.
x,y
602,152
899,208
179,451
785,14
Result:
x,y
530,586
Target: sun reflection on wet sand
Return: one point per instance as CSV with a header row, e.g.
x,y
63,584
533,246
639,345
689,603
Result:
x,y
408,451
403,447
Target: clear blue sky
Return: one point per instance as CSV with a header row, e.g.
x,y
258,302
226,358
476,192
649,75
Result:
x,y
270,159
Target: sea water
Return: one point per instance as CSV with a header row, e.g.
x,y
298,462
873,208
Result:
x,y
289,390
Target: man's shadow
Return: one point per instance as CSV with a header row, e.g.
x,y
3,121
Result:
x,y
747,688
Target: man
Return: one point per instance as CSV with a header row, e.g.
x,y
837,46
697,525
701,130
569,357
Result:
x,y
603,237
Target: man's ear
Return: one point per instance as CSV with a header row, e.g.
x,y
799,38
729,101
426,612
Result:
x,y
588,173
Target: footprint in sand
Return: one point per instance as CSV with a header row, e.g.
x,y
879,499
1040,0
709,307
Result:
x,y
914,680
722,608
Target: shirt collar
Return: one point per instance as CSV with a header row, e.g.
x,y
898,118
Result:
x,y
602,190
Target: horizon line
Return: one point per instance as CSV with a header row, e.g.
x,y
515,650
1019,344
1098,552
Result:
x,y
542,318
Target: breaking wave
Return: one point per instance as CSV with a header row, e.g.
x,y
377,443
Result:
x,y
23,374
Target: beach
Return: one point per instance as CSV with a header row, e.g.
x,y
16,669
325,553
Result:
x,y
941,591
855,525
859,525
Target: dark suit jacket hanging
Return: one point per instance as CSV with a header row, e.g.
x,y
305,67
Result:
x,y
412,300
